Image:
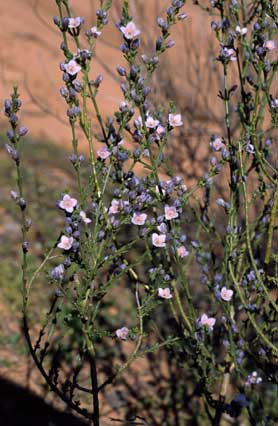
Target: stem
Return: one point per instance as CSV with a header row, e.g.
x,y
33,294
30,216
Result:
x,y
263,337
94,380
271,227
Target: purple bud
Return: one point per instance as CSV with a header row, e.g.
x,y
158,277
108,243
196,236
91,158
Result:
x,y
64,92
73,112
73,159
213,161
121,71
57,273
13,119
159,43
23,131
170,44
10,135
98,80
28,224
124,48
14,195
62,66
56,20
182,16
7,105
76,234
77,86
170,11
22,203
65,23
12,152
134,71
25,246
67,262
66,77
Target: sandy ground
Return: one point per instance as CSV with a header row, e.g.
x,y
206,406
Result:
x,y
30,57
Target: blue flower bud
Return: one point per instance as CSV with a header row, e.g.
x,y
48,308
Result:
x,y
23,131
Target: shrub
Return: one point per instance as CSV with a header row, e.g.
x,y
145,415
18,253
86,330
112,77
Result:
x,y
193,276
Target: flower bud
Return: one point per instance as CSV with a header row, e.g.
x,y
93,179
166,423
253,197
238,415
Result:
x,y
23,131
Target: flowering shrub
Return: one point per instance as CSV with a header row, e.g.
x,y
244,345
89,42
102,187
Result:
x,y
200,271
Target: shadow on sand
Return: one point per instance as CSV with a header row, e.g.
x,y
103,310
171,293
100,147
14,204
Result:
x,y
20,407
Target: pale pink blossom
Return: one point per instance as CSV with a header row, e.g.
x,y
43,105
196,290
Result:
x,y
72,67
75,22
182,252
67,203
115,207
165,293
151,123
170,212
130,31
241,31
207,321
159,240
65,243
269,44
84,217
94,32
160,131
122,333
226,294
217,144
103,153
139,218
175,120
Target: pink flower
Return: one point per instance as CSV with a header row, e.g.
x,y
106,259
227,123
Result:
x,y
94,32
75,22
122,333
139,218
103,153
84,217
160,131
130,31
175,120
170,212
165,293
217,144
226,294
151,123
115,207
65,243
68,203
72,67
159,240
207,322
182,252
269,44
